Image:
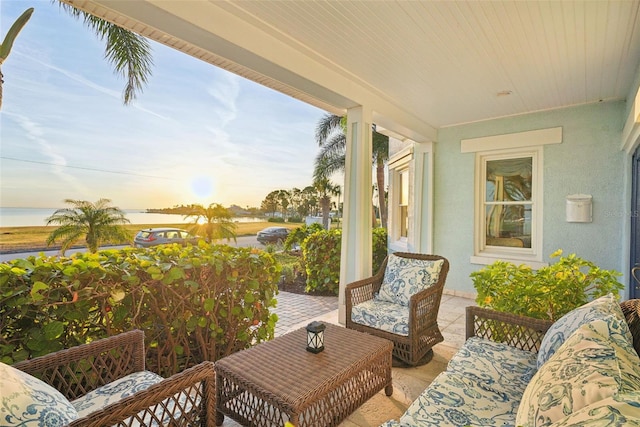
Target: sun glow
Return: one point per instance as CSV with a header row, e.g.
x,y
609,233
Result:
x,y
202,187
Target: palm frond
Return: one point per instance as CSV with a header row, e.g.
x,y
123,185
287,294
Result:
x,y
129,53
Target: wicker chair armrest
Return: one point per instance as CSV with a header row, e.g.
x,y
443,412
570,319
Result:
x,y
363,290
360,291
78,370
186,398
424,306
517,331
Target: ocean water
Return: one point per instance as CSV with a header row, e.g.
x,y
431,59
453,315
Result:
x,y
24,217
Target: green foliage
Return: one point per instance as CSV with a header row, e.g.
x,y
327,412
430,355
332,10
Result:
x,y
299,234
547,293
193,303
214,222
321,258
295,218
321,253
379,247
97,223
276,219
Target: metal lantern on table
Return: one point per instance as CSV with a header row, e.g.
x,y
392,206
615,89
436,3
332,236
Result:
x,y
315,337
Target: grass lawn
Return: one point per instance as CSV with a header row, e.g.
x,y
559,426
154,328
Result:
x,y
17,239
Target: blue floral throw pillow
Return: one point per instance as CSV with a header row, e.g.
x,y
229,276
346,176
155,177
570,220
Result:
x,y
570,322
27,401
404,277
593,364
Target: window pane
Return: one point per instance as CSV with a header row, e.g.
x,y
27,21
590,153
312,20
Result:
x,y
508,225
509,180
404,221
404,188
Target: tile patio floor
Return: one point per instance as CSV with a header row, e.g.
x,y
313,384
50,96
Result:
x,y
295,311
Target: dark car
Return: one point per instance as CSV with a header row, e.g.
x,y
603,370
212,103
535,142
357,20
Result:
x,y
160,236
273,235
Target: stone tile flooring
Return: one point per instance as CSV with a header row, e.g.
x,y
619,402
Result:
x,y
295,311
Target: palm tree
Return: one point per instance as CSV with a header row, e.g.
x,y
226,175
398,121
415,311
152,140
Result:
x,y
97,222
7,43
129,53
213,221
331,137
326,190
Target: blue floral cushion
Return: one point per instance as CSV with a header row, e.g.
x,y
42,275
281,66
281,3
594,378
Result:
x,y
590,366
28,401
115,391
383,315
497,366
453,401
567,324
617,410
404,277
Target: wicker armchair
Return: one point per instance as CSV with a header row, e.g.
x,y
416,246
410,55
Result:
x,y
187,398
423,333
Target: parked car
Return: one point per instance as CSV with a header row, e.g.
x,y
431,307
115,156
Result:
x,y
273,235
160,236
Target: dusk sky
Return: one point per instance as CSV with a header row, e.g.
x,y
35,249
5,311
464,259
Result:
x,y
196,134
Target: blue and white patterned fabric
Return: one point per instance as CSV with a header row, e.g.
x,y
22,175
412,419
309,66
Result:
x,y
590,366
497,366
115,391
567,324
618,410
453,401
404,277
28,401
383,315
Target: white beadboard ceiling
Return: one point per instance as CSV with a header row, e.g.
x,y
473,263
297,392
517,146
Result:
x,y
439,62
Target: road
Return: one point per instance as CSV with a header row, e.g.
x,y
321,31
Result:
x,y
243,241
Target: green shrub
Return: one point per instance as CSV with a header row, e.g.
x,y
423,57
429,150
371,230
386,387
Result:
x,y
276,219
295,218
321,257
321,253
194,303
547,293
297,235
379,248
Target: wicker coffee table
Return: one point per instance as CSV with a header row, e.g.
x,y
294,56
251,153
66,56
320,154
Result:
x,y
279,381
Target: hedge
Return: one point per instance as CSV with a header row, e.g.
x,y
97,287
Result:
x,y
194,303
321,255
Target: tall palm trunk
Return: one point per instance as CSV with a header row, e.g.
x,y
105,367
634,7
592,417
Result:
x,y
382,201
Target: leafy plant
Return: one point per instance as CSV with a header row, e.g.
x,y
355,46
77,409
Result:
x,y
547,293
321,257
9,38
297,235
97,222
194,303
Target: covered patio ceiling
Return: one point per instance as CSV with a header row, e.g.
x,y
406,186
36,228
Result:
x,y
419,65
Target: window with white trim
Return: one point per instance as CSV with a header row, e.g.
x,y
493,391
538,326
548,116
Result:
x,y
509,195
509,204
507,200
400,199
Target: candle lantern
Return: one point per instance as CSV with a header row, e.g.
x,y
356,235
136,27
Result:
x,y
315,337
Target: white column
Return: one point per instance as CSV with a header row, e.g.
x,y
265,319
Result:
x,y
355,260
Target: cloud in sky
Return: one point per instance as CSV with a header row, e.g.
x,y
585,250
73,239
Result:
x,y
196,134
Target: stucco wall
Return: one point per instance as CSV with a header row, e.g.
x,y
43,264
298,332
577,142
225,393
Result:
x,y
588,161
